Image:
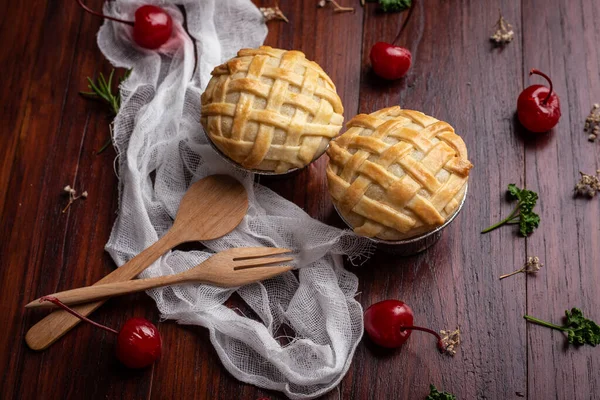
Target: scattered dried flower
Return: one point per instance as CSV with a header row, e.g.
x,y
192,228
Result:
x,y
273,13
532,266
588,184
451,340
504,33
336,7
73,196
592,123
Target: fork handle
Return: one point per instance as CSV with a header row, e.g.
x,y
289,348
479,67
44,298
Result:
x,y
56,324
100,292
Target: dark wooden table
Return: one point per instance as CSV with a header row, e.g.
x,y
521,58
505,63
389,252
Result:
x,y
49,136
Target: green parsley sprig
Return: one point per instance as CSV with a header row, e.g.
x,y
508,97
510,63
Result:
x,y
579,329
523,213
435,395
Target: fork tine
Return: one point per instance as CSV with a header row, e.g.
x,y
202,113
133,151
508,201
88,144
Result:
x,y
259,262
262,273
244,253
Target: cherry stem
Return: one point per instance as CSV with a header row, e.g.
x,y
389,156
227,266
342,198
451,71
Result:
x,y
412,7
65,307
540,73
440,344
86,8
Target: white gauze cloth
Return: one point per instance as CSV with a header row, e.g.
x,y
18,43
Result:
x,y
162,150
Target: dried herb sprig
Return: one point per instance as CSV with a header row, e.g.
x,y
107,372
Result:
x,y
523,213
592,123
73,196
450,340
504,33
273,13
532,266
434,394
579,329
336,7
588,184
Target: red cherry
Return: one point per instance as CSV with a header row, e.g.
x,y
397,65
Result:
x,y
390,62
389,323
538,107
384,322
152,26
138,343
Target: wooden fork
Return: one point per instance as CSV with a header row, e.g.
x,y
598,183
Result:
x,y
229,268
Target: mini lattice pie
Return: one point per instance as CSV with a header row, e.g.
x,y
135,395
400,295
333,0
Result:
x,y
397,174
271,109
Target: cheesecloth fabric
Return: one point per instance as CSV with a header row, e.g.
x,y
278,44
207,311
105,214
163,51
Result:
x,y
162,149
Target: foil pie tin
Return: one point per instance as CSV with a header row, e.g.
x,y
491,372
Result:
x,y
414,245
259,171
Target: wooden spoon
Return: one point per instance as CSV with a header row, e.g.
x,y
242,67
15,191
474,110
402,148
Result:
x,y
211,208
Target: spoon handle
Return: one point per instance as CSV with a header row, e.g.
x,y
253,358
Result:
x,y
56,324
106,290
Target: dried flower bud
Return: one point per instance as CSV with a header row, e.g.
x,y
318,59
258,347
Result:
x,y
273,13
72,196
533,265
451,340
504,33
336,7
592,123
588,184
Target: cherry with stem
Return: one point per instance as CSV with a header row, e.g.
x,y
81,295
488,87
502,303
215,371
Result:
x,y
152,25
138,341
389,323
390,61
538,106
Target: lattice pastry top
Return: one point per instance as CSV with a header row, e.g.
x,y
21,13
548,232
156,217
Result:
x,y
271,109
395,174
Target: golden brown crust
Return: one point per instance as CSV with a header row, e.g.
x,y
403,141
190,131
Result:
x,y
271,109
395,174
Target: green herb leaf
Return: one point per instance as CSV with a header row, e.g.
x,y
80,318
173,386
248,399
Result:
x,y
579,329
435,395
101,89
514,190
523,213
582,330
395,5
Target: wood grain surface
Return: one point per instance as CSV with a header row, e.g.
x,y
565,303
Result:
x,y
50,135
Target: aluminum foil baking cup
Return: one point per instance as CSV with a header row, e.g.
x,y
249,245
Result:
x,y
411,246
259,171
